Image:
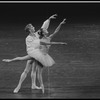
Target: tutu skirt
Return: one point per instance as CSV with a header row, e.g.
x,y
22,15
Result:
x,y
44,59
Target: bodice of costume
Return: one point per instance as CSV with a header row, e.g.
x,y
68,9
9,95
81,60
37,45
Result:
x,y
32,42
45,48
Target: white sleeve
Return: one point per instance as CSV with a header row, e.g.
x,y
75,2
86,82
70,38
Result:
x,y
46,24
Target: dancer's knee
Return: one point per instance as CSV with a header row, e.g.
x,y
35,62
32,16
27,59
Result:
x,y
31,61
26,71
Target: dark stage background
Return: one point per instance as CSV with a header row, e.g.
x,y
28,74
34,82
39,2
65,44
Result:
x,y
76,73
15,16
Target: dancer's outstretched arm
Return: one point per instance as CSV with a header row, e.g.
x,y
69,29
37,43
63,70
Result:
x,y
50,43
58,43
47,22
57,29
27,57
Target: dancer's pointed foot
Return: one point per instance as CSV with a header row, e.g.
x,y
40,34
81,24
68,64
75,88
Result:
x,y
35,87
42,87
6,60
16,90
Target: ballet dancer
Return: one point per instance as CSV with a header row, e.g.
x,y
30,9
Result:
x,y
31,58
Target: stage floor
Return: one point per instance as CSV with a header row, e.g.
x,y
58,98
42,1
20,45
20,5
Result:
x,y
76,73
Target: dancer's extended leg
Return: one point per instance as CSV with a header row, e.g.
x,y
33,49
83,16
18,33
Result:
x,y
23,75
27,57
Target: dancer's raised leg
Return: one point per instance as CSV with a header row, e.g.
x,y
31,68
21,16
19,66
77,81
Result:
x,y
27,57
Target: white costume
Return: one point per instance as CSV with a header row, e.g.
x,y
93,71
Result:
x,y
38,52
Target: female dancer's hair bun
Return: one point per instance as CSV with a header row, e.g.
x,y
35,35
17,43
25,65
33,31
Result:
x,y
40,32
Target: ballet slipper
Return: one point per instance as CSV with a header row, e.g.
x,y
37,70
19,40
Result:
x,y
35,87
6,60
42,87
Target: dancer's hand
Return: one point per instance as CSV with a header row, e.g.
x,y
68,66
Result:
x,y
6,60
63,43
63,22
53,16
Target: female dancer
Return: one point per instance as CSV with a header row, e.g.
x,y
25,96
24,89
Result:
x,y
31,58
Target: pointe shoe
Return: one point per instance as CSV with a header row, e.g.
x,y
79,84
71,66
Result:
x,y
35,87
6,60
42,87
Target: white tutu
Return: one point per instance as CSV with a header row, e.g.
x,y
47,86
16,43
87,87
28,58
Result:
x,y
39,52
44,59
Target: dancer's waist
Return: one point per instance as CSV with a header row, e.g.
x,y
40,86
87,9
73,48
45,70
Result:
x,y
42,50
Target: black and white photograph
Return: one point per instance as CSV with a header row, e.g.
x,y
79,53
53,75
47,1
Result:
x,y
49,50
